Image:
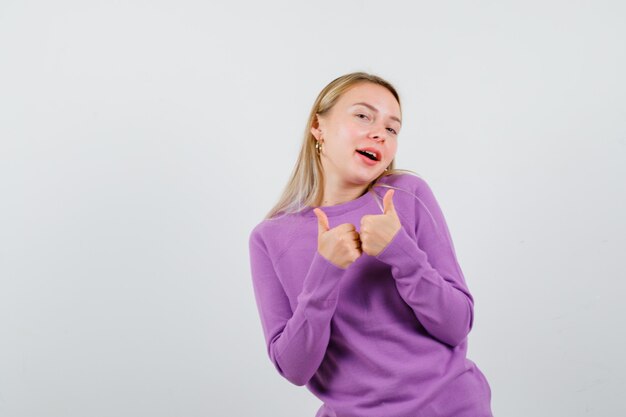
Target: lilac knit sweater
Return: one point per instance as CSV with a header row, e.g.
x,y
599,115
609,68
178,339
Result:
x,y
386,337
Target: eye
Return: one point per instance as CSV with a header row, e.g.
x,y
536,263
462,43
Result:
x,y
361,114
392,130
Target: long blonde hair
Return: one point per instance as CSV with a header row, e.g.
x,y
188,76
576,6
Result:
x,y
305,187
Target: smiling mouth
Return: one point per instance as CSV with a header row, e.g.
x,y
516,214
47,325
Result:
x,y
368,154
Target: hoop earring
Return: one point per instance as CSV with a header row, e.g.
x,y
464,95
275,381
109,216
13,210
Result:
x,y
318,147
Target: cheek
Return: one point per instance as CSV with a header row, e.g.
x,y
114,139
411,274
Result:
x,y
352,130
393,148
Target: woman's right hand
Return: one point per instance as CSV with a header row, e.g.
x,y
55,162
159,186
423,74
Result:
x,y
340,245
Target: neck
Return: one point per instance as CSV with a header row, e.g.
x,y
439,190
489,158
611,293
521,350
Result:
x,y
335,193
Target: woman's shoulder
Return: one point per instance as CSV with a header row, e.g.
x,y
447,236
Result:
x,y
277,228
406,181
415,195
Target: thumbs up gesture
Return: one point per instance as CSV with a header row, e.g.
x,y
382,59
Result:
x,y
378,230
339,245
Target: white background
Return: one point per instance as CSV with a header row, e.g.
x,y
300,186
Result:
x,y
141,141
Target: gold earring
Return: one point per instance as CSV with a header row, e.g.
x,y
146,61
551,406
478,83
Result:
x,y
318,146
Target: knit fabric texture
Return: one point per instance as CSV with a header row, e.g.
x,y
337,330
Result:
x,y
385,337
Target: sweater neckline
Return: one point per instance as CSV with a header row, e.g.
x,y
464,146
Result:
x,y
341,207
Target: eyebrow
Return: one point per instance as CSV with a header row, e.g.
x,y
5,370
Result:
x,y
369,106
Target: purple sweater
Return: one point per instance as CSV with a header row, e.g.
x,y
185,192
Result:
x,y
386,337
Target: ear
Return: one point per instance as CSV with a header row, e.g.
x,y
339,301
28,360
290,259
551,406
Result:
x,y
315,127
315,132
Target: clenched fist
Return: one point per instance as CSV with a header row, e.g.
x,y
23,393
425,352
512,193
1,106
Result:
x,y
339,245
378,230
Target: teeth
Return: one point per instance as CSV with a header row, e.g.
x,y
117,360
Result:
x,y
371,153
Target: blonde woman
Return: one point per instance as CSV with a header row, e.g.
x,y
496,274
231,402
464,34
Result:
x,y
356,280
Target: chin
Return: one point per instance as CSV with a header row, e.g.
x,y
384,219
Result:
x,y
364,178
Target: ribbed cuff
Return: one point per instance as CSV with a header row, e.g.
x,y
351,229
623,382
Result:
x,y
402,252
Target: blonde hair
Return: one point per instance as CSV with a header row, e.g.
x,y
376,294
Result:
x,y
305,187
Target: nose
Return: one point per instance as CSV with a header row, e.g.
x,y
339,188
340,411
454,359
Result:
x,y
378,134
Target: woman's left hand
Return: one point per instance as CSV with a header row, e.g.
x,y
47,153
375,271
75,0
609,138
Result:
x,y
377,230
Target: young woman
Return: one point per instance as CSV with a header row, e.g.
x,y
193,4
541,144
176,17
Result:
x,y
359,291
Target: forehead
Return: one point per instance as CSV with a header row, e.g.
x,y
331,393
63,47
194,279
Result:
x,y
374,94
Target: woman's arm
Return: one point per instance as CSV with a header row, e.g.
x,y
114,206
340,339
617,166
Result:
x,y
427,273
296,341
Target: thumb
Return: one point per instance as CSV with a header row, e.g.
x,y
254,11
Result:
x,y
322,221
388,206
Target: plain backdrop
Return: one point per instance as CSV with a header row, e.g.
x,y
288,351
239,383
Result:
x,y
141,141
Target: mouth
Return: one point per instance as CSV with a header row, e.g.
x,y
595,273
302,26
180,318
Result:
x,y
370,153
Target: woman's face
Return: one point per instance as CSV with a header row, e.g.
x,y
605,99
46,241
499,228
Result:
x,y
366,117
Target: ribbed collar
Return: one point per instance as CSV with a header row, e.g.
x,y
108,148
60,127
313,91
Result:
x,y
341,208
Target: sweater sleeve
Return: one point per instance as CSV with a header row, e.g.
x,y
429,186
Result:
x,y
427,274
296,340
